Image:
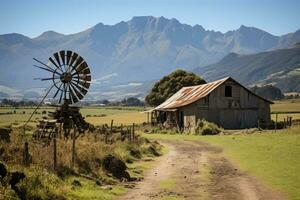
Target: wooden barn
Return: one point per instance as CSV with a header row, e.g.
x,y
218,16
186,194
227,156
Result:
x,y
224,102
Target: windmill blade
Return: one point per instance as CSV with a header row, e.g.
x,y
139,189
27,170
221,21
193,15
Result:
x,y
63,56
85,71
76,90
69,54
80,84
74,57
54,63
56,56
78,61
72,95
85,78
82,89
86,85
81,67
49,70
43,64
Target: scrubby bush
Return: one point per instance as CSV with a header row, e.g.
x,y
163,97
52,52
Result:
x,y
206,128
40,185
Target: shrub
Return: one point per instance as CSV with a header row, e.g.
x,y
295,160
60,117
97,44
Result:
x,y
207,128
40,185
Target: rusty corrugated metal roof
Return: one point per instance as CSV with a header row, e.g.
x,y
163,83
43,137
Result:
x,y
188,95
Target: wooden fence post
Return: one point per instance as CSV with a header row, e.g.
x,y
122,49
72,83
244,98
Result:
x,y
106,135
54,153
73,148
26,156
276,122
111,129
128,134
133,136
121,132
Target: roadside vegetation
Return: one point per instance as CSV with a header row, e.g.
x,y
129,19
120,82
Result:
x,y
101,171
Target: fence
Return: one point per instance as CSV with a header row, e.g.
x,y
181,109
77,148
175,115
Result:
x,y
125,133
275,124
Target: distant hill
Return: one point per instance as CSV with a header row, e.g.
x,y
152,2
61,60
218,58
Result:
x,y
140,50
278,67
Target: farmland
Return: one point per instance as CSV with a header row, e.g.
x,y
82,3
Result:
x,y
271,158
286,108
94,115
126,115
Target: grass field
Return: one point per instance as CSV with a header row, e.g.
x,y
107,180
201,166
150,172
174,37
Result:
x,y
94,115
272,158
126,115
286,108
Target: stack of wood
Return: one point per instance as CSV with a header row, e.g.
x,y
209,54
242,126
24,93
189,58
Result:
x,y
67,116
70,117
45,129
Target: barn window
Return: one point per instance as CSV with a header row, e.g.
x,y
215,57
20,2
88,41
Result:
x,y
228,91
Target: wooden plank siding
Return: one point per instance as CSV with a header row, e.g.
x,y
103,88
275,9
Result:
x,y
242,110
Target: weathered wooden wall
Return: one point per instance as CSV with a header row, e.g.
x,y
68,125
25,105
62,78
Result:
x,y
242,110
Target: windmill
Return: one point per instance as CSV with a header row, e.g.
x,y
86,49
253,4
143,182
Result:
x,y
70,78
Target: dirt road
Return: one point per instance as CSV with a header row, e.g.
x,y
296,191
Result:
x,y
196,170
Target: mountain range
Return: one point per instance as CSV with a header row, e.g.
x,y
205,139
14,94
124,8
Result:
x,y
126,58
279,67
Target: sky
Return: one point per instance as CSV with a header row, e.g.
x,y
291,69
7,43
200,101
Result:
x,y
33,17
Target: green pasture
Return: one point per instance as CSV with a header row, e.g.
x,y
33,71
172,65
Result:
x,y
286,108
125,115
94,115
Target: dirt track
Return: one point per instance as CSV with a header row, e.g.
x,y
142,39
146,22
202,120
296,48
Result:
x,y
196,170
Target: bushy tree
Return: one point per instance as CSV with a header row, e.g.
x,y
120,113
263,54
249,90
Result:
x,y
132,101
268,92
170,84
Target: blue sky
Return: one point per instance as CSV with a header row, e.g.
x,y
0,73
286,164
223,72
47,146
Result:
x,y
32,17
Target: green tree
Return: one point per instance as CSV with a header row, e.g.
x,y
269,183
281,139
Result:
x,y
170,84
268,92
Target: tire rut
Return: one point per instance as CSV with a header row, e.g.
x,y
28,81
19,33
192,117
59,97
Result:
x,y
197,170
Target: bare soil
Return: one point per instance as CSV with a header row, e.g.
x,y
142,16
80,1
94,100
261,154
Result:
x,y
197,170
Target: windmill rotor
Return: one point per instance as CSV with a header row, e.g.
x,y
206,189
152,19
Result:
x,y
70,74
